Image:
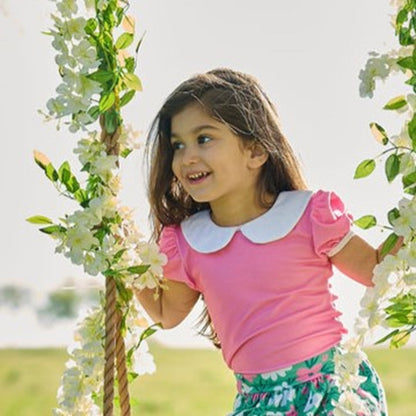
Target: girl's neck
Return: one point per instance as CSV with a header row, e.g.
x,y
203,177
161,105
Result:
x,y
238,213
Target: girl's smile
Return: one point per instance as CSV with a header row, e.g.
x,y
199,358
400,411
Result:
x,y
213,165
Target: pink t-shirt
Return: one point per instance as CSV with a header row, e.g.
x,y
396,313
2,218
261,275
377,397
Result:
x,y
265,283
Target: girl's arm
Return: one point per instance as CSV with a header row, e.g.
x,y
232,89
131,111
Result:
x,y
358,259
173,304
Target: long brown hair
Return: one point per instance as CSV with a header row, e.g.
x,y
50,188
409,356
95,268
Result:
x,y
237,100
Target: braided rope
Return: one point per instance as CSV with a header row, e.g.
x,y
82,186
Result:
x,y
115,352
110,344
123,387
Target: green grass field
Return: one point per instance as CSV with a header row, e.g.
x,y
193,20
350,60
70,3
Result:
x,y
187,383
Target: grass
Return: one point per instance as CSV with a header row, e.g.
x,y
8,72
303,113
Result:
x,y
188,382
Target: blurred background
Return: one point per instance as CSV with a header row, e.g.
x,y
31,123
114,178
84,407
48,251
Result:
x,y
307,56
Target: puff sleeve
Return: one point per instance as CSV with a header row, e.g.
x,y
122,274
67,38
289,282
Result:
x,y
331,223
175,268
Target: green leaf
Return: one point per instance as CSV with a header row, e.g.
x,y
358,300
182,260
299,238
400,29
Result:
x,y
107,101
118,255
101,76
39,219
388,336
366,221
132,82
411,128
401,17
138,269
90,26
389,243
119,14
64,173
407,62
51,173
125,153
125,294
131,376
111,121
124,41
148,332
396,103
409,183
72,185
392,215
405,37
130,64
400,319
379,133
127,97
82,197
392,167
94,112
400,339
52,229
365,168
139,43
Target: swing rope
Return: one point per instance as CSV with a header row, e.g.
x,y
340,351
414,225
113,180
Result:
x,y
115,351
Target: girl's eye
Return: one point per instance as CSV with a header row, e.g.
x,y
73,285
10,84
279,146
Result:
x,y
204,139
177,145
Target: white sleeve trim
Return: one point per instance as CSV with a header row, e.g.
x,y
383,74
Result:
x,y
345,240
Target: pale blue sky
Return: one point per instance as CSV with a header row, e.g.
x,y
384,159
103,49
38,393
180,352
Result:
x,y
306,54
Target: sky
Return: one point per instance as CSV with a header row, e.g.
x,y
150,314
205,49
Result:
x,y
307,55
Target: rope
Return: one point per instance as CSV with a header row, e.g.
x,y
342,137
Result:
x,y
115,352
110,345
123,387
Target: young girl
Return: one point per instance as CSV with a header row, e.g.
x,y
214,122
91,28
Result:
x,y
233,215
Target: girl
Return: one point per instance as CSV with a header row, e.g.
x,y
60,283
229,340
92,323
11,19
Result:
x,y
233,215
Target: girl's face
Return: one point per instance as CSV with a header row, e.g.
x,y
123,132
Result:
x,y
212,163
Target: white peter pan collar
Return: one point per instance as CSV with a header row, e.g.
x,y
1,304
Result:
x,y
204,236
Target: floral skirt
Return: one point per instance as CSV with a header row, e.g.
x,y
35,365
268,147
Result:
x,y
304,389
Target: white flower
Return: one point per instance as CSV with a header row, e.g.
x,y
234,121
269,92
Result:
x,y
398,4
150,254
403,224
85,54
350,402
143,362
89,4
408,254
102,4
403,139
376,67
104,206
59,43
86,218
74,28
145,280
67,7
407,163
95,263
129,137
57,106
103,165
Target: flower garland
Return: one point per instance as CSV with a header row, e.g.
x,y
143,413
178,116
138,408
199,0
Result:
x,y
97,79
391,302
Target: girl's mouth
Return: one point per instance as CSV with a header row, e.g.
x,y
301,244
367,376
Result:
x,y
198,177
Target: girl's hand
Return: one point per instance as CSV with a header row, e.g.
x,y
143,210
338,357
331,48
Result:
x,y
358,259
393,251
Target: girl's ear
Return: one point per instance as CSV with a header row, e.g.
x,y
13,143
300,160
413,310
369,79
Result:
x,y
258,156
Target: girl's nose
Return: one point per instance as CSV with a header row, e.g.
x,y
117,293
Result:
x,y
190,155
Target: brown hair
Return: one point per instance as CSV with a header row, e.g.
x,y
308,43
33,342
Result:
x,y
238,100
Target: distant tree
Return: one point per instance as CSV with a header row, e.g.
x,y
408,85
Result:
x,y
61,304
13,296
65,302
